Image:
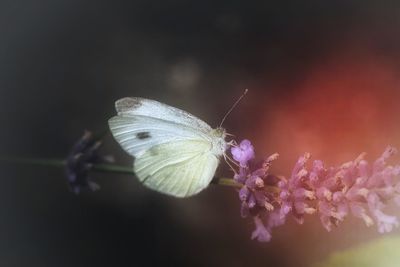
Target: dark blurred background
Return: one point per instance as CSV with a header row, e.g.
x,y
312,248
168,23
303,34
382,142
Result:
x,y
323,77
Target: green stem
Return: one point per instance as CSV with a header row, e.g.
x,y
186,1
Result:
x,y
226,182
106,168
113,168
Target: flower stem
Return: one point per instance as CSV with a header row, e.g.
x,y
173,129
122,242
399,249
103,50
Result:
x,y
106,168
225,182
112,168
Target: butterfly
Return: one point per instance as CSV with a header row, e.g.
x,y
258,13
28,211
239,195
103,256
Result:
x,y
175,152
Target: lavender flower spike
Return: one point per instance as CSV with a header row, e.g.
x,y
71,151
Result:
x,y
355,188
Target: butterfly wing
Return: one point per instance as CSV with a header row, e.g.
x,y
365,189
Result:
x,y
172,148
181,168
137,134
136,106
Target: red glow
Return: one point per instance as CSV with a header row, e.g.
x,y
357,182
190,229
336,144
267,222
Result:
x,y
342,108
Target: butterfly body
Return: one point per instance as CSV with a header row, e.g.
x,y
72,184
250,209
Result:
x,y
175,152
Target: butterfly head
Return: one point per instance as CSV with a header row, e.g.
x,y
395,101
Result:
x,y
219,132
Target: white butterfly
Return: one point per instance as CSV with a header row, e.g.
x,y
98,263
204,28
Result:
x,y
175,152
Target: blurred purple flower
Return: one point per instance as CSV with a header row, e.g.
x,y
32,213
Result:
x,y
80,161
354,188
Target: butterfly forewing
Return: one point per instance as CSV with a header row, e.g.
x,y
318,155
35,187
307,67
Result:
x,y
134,106
137,134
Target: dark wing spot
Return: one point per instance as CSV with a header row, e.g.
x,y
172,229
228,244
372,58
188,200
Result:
x,y
143,135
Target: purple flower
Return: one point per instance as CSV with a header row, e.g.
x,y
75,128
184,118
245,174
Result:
x,y
260,233
243,153
385,222
355,188
80,161
358,189
295,194
256,200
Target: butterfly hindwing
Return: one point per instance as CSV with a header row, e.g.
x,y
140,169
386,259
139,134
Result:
x,y
181,168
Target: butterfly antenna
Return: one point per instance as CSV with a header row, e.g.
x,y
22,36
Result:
x,y
233,106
